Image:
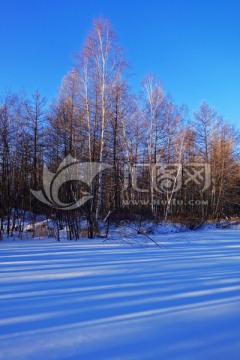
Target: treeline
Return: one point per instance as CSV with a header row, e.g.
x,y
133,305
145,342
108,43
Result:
x,y
164,163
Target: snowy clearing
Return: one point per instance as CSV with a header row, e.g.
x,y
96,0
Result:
x,y
93,300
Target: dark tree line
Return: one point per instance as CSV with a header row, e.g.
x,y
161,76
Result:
x,y
164,163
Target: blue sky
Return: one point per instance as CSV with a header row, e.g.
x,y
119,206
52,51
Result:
x,y
193,46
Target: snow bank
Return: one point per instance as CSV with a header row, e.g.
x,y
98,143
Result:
x,y
94,300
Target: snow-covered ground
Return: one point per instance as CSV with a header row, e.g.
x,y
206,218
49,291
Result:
x,y
92,300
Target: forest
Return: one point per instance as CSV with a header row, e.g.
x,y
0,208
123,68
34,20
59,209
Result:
x,y
155,160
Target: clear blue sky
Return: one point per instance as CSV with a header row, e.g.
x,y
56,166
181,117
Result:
x,y
193,46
